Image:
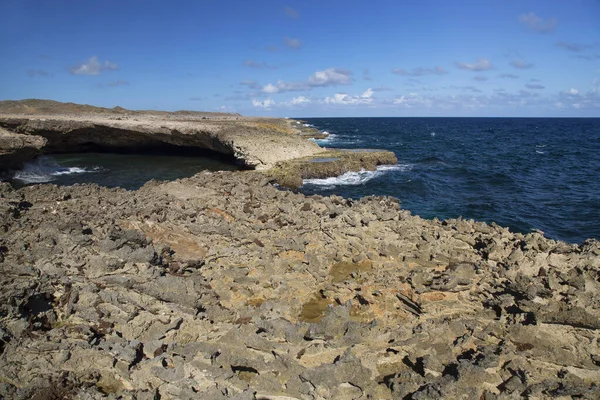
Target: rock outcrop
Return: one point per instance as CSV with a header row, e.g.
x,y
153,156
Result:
x,y
16,148
256,143
222,286
32,127
331,162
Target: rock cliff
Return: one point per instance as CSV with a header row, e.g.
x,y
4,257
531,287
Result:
x,y
32,127
255,143
16,148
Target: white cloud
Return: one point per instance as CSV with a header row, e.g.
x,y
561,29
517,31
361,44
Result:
x,y
538,24
467,102
413,100
520,64
482,64
282,87
573,98
296,102
328,77
266,104
93,67
346,99
300,100
269,88
293,43
420,71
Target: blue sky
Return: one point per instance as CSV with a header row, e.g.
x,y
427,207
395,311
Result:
x,y
308,58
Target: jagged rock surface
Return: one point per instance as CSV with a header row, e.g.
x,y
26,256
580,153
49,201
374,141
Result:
x,y
222,286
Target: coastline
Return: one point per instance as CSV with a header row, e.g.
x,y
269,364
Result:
x,y
222,285
274,144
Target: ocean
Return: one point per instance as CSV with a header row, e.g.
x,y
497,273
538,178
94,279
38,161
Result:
x,y
523,173
128,171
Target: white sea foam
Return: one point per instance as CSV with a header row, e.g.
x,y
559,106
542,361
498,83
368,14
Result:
x,y
327,140
46,169
69,171
397,167
356,178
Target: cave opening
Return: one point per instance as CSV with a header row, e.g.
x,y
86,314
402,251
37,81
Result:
x,y
128,167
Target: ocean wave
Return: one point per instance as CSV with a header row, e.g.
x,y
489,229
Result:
x,y
356,178
46,169
329,139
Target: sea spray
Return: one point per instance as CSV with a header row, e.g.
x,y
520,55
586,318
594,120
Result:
x,y
46,169
356,178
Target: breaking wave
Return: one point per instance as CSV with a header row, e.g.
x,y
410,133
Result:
x,y
46,169
325,141
356,178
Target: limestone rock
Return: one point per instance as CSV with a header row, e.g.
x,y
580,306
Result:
x,y
224,286
16,148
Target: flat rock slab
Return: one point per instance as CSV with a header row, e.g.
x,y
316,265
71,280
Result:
x,y
329,163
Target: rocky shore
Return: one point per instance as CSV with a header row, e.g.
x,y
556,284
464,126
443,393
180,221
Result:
x,y
223,286
30,128
253,143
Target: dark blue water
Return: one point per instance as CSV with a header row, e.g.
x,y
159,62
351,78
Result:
x,y
524,173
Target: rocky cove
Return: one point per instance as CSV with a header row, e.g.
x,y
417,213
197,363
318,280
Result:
x,y
224,285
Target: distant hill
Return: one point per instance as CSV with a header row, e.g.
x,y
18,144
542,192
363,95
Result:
x,y
51,107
